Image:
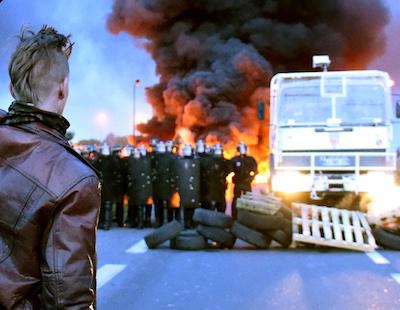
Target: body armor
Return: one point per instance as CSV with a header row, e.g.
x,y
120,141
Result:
x,y
162,164
245,169
110,176
214,171
139,179
162,187
187,181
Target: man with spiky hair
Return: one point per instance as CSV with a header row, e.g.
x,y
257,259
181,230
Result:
x,y
49,195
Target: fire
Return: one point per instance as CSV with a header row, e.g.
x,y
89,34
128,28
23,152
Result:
x,y
384,205
175,200
263,173
229,189
184,136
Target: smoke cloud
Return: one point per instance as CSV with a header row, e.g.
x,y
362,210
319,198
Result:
x,y
215,58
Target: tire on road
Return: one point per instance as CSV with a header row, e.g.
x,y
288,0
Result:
x,y
387,239
280,236
286,212
225,238
188,241
162,234
250,236
259,221
212,218
287,226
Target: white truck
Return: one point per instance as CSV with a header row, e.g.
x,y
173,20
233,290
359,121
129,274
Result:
x,y
331,132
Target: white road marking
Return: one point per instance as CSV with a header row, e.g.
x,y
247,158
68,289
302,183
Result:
x,y
377,258
107,272
138,248
396,277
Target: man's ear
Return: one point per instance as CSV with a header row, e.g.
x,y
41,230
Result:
x,y
63,90
12,91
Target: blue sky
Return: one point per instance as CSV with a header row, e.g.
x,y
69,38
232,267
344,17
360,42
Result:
x,y
104,66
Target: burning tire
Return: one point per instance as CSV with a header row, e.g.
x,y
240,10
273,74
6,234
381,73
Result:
x,y
188,241
162,234
212,218
225,238
387,239
250,236
280,236
259,221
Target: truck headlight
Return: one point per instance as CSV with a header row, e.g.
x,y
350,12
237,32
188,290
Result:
x,y
376,182
291,182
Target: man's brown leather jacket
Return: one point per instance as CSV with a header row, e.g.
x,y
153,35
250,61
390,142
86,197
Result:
x,y
49,203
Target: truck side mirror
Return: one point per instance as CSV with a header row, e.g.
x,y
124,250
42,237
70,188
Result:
x,y
261,110
398,109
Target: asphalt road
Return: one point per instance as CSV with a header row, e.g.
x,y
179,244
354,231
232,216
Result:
x,y
132,277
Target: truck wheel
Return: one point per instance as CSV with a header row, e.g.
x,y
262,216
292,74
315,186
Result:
x,y
191,241
212,218
259,221
250,236
387,239
281,237
225,238
162,234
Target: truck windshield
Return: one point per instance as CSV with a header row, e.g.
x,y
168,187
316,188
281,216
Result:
x,y
315,101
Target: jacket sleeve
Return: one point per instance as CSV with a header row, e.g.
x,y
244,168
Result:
x,y
69,267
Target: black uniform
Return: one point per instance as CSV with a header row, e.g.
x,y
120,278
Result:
x,y
245,169
108,167
204,162
149,206
139,188
187,184
120,189
214,171
162,187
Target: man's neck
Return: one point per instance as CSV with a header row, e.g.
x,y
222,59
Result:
x,y
49,107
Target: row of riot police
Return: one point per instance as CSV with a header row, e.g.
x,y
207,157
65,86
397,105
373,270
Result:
x,y
175,184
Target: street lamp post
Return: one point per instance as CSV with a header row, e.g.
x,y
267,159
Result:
x,y
137,83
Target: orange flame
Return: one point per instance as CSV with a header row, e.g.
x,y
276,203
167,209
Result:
x,y
175,200
229,189
263,173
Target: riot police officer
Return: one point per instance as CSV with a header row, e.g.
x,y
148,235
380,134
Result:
x,y
162,190
106,164
151,157
245,169
203,160
187,183
215,170
139,187
120,183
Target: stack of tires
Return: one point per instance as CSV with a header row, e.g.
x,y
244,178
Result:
x,y
215,226
387,237
166,232
265,215
260,229
255,228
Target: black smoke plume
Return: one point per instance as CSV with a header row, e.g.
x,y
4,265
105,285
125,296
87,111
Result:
x,y
215,57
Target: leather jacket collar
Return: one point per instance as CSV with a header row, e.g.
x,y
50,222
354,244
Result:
x,y
20,113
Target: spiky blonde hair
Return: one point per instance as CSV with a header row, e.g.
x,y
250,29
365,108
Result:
x,y
39,63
